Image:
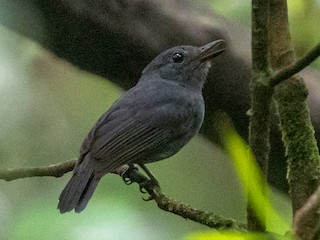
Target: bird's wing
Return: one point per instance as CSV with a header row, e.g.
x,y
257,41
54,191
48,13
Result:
x,y
143,125
124,138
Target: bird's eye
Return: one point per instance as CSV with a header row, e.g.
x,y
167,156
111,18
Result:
x,y
177,57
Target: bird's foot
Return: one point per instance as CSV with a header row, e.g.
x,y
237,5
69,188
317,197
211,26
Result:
x,y
126,174
130,174
149,186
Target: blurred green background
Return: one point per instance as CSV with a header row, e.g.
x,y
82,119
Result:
x,y
47,108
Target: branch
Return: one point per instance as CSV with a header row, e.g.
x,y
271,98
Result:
x,y
295,122
209,219
183,210
301,221
164,202
260,12
296,67
55,170
261,94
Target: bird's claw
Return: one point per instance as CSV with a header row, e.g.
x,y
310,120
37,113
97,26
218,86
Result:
x,y
142,189
148,186
126,174
127,180
150,198
145,185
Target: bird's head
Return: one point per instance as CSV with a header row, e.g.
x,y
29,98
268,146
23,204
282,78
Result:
x,y
186,65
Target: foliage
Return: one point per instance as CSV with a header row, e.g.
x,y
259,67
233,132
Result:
x,y
253,184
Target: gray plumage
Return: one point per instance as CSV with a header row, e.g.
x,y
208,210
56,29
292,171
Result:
x,y
150,122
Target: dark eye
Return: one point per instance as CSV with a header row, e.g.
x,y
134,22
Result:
x,y
177,57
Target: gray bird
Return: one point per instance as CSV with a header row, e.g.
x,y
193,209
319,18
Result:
x,y
150,122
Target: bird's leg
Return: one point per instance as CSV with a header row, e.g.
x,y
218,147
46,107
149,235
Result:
x,y
125,174
150,175
148,184
131,174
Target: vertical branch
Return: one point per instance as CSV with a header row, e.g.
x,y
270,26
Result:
x,y
261,94
301,220
297,130
260,39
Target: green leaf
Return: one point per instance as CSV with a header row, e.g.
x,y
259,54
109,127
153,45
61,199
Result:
x,y
226,236
254,185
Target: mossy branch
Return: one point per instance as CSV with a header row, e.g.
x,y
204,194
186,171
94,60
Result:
x,y
295,123
261,95
271,43
170,205
164,202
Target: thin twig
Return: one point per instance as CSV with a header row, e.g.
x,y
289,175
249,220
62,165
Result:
x,y
296,67
301,224
164,202
55,170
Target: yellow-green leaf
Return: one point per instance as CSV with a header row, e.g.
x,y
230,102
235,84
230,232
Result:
x,y
225,236
254,185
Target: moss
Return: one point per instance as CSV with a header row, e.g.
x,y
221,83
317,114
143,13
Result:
x,y
298,137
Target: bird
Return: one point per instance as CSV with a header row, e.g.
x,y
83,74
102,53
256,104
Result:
x,y
150,122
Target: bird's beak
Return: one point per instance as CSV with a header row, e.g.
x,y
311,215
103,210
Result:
x,y
211,50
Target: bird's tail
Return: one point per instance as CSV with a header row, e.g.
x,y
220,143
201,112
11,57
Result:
x,y
80,188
